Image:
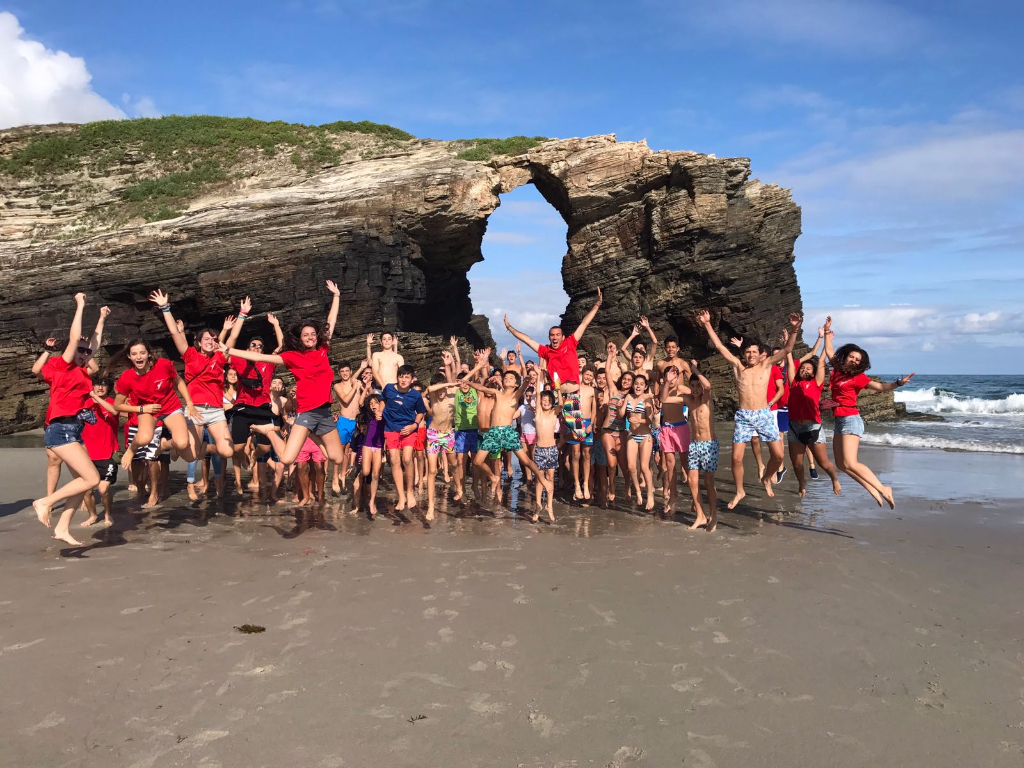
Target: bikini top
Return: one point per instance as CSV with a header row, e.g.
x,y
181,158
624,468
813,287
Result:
x,y
635,407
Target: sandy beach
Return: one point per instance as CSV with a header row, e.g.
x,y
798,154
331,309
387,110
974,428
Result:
x,y
827,632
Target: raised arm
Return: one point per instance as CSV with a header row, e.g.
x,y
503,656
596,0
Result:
x,y
521,336
815,347
49,347
819,373
97,334
278,333
163,303
455,354
582,327
256,357
448,362
704,382
829,350
791,368
332,314
75,334
632,335
789,337
651,355
244,308
705,319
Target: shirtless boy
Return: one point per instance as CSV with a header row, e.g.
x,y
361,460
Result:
x,y
703,454
753,416
648,357
385,364
580,449
440,434
546,452
502,435
674,437
348,391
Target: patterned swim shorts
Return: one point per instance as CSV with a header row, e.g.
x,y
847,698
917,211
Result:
x,y
761,423
546,458
440,442
500,439
703,456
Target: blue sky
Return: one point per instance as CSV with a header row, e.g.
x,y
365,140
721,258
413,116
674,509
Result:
x,y
898,127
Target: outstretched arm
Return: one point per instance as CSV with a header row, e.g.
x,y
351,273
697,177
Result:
x,y
163,303
582,327
789,336
652,353
521,336
705,319
244,308
816,347
889,386
332,315
256,357
75,334
97,335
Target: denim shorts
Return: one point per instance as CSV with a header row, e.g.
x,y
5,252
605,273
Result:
x,y
319,421
62,432
849,425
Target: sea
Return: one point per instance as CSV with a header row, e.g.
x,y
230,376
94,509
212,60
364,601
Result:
x,y
979,414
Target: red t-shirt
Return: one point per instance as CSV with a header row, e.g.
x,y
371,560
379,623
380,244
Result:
x,y
70,386
845,390
313,377
204,377
804,400
101,438
562,361
783,401
157,385
257,374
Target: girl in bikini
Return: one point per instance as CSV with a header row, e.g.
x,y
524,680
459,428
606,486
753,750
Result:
x,y
638,411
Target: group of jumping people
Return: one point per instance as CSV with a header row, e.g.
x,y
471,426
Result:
x,y
561,412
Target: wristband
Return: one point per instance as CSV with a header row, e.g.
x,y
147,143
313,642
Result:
x,y
164,307
242,316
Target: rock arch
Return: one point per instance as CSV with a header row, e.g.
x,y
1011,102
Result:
x,y
661,232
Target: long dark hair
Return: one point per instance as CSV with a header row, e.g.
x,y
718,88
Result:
x,y
119,359
811,361
293,336
840,364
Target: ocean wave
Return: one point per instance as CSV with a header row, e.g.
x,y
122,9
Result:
x,y
939,443
936,400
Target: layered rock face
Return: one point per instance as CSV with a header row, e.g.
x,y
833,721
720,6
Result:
x,y
662,233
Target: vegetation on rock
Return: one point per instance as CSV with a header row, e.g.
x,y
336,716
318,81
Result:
x,y
485,149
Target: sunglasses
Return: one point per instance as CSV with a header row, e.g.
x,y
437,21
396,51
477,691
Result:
x,y
84,351
257,345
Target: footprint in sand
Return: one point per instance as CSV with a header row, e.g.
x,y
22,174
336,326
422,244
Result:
x,y
129,611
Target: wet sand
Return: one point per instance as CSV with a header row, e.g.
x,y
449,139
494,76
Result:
x,y
822,633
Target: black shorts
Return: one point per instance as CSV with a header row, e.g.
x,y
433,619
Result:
x,y
107,469
243,417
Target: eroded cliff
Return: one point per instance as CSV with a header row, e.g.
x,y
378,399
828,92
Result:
x,y
397,222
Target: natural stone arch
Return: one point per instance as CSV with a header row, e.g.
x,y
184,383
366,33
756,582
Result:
x,y
661,232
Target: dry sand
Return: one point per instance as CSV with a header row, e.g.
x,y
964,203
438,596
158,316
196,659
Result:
x,y
831,635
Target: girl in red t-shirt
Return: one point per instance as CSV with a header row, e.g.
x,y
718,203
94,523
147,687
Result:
x,y
155,386
849,364
805,434
305,355
69,409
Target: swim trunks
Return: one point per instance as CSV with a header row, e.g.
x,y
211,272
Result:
x,y
588,440
346,428
546,458
500,439
703,455
310,452
573,416
440,442
600,457
760,423
674,438
465,441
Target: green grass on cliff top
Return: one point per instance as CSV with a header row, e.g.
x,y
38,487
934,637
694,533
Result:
x,y
179,138
485,149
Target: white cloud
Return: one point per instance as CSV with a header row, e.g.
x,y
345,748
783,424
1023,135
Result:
x,y
38,85
143,107
861,27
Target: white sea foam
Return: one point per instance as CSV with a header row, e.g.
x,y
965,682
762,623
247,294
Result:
x,y
934,400
939,443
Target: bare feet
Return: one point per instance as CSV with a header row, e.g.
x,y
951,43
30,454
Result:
x,y
889,498
107,522
263,429
191,492
803,492
42,512
837,489
650,501
737,498
66,537
701,520
91,520
712,524
768,487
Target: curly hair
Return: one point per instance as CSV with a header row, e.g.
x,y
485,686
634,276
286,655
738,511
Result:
x,y
839,360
